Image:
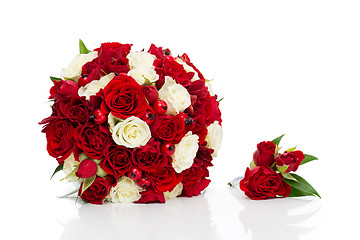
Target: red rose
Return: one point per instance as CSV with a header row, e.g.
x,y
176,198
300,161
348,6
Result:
x,y
213,111
91,70
193,175
186,59
125,97
119,66
148,158
75,108
98,190
93,138
157,51
60,140
87,169
150,196
151,93
164,179
203,156
262,182
196,189
168,128
175,70
63,88
113,51
264,155
290,159
116,160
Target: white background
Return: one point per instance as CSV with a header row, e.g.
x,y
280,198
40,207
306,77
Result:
x,y
282,67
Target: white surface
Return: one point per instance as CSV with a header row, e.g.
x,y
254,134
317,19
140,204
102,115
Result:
x,y
282,66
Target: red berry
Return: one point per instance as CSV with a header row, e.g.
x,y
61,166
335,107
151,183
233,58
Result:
x,y
183,115
87,168
167,148
135,174
144,183
83,80
149,118
160,107
99,116
189,121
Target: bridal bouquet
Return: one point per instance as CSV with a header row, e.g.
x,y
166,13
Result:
x,y
133,126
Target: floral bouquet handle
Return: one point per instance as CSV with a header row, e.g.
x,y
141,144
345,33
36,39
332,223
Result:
x,y
271,174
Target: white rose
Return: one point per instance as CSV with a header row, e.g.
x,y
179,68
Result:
x,y
175,192
73,71
141,74
94,86
185,152
188,69
214,137
112,120
209,86
141,60
125,191
175,95
131,133
69,165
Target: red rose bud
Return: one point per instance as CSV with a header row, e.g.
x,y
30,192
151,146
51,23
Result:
x,y
64,88
289,161
151,93
87,169
264,155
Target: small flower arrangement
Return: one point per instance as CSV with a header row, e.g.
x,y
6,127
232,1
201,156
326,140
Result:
x,y
133,126
270,174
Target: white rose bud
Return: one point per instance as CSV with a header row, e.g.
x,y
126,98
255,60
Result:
x,y
131,133
175,95
126,191
185,152
69,165
209,86
143,75
214,137
94,86
175,192
73,71
141,60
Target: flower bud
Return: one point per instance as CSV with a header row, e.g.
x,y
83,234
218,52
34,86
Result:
x,y
289,161
87,169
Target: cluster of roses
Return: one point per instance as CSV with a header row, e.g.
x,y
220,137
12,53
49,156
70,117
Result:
x,y
271,173
133,126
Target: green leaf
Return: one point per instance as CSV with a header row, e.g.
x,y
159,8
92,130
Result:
x,y
221,99
87,183
82,48
298,193
291,149
308,158
58,168
277,140
289,176
282,169
55,78
302,186
252,165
